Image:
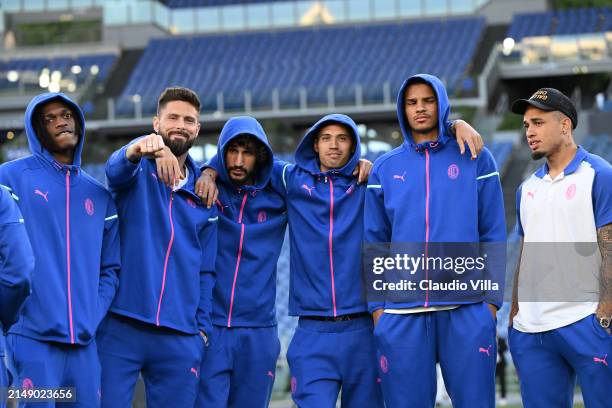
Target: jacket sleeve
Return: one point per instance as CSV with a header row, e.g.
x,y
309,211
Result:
x,y
110,261
208,241
120,172
281,173
16,260
377,228
492,223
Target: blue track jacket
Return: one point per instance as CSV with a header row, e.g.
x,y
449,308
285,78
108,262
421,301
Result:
x,y
169,247
16,260
326,228
429,192
73,228
252,223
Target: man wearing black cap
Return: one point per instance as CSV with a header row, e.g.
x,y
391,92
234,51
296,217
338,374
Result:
x,y
562,300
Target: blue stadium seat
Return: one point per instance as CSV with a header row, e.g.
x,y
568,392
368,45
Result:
x,y
562,22
309,58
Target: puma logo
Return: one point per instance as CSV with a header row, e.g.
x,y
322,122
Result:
x,y
194,372
485,350
531,194
43,195
601,360
398,177
307,188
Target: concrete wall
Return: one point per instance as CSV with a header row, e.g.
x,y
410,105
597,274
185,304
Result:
x,y
501,11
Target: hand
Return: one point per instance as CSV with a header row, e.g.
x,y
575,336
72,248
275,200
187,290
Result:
x,y
467,134
363,169
206,188
493,310
376,315
168,169
148,146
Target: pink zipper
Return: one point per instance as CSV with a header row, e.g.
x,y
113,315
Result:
x,y
331,233
68,256
426,222
163,287
229,316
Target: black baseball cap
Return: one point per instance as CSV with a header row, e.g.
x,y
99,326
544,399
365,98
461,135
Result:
x,y
548,99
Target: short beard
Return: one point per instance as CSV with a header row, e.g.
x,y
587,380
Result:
x,y
424,131
537,155
177,147
248,177
51,146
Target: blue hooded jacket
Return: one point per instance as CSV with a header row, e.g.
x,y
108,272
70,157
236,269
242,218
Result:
x,y
325,227
73,228
16,260
169,247
252,223
429,192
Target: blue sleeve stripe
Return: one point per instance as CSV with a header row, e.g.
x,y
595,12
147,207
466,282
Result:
x,y
112,217
495,173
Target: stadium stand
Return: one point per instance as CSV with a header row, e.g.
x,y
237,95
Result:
x,y
312,59
561,22
501,152
600,145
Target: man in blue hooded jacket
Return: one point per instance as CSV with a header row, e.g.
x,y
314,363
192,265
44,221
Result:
x,y
240,368
16,266
73,228
160,318
333,346
426,192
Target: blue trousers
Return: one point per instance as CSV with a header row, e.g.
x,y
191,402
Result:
x,y
238,370
326,357
549,362
41,364
462,340
168,360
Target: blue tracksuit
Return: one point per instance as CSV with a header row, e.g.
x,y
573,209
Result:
x,y
73,228
17,263
165,292
424,193
326,225
239,369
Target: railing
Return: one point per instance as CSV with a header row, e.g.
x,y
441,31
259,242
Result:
x,y
278,100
